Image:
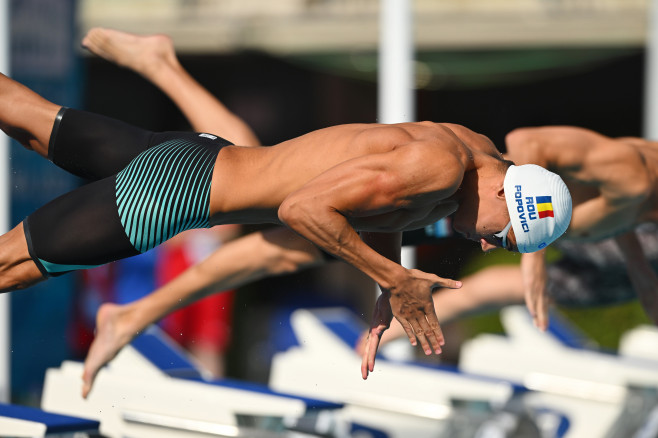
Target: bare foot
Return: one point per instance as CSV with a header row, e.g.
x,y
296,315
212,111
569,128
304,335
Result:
x,y
143,54
112,334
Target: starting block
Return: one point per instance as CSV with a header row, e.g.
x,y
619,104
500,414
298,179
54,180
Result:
x,y
403,399
23,421
152,389
595,387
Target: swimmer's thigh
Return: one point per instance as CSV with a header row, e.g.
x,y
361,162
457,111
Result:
x,y
78,230
93,146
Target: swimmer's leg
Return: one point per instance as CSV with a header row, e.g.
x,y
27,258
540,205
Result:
x,y
258,255
153,57
26,116
165,190
17,270
82,143
78,230
94,146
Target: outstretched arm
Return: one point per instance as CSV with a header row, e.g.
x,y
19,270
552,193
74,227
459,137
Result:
x,y
388,245
641,273
533,270
255,256
154,58
371,191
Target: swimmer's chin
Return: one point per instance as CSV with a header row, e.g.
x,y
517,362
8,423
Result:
x,y
486,246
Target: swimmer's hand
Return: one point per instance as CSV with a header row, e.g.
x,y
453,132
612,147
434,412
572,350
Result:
x,y
381,320
360,346
533,271
413,307
410,301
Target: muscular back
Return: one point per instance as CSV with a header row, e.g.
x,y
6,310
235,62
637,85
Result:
x,y
250,183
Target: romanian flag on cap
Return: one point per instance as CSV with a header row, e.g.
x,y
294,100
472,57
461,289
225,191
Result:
x,y
544,206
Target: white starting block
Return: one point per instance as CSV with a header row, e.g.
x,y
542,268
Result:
x,y
640,342
399,399
151,389
595,387
526,351
22,421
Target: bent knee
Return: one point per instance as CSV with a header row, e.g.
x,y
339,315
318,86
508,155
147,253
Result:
x,y
19,276
17,269
21,136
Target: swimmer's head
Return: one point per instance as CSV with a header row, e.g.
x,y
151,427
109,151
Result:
x,y
539,205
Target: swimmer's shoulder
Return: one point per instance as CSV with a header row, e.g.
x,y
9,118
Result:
x,y
472,140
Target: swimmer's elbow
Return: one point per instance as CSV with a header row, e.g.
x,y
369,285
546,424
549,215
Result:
x,y
286,210
292,211
303,213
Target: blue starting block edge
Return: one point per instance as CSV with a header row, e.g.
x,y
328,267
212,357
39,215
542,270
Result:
x,y
55,423
167,356
341,322
162,352
348,331
311,403
517,387
565,332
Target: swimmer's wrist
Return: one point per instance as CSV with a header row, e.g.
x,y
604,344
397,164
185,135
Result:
x,y
395,276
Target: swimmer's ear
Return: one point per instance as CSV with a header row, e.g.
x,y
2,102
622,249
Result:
x,y
501,192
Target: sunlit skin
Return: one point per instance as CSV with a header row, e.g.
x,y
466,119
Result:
x,y
479,218
327,186
614,187
277,250
488,243
635,200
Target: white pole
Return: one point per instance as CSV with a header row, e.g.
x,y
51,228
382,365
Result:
x,y
396,56
396,100
396,97
5,344
651,74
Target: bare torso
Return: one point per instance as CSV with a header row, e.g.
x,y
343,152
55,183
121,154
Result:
x,y
249,184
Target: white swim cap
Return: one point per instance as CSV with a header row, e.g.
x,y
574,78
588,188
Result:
x,y
539,205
